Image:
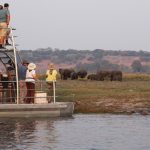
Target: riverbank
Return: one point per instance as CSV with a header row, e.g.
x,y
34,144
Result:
x,y
125,97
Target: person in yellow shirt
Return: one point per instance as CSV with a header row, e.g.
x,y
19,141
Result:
x,y
51,75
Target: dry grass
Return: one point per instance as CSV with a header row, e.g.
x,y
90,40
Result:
x,y
136,77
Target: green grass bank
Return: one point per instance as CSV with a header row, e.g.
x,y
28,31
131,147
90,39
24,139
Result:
x,y
132,95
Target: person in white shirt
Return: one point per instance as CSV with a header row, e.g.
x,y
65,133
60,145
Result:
x,y
30,83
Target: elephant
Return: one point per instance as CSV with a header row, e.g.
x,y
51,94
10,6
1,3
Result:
x,y
82,73
65,73
92,77
103,75
116,76
74,76
110,75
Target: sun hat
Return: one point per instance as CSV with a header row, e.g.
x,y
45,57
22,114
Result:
x,y
51,66
31,66
5,75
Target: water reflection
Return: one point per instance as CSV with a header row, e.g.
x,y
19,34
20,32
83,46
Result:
x,y
25,133
83,132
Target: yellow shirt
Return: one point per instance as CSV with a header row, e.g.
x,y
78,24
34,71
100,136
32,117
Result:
x,y
51,77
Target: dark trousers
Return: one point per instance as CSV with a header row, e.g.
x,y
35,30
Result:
x,y
30,92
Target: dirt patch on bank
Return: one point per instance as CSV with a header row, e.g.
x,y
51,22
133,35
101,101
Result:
x,y
113,106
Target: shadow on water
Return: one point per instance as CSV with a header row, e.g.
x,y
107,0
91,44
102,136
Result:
x,y
24,133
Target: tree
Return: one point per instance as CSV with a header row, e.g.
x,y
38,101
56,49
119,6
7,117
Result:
x,y
136,66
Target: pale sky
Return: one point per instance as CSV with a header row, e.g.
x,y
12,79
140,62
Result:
x,y
81,24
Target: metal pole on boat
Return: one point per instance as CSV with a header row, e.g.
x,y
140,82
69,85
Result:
x,y
54,94
16,66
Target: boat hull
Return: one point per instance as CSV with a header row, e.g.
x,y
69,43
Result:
x,y
59,109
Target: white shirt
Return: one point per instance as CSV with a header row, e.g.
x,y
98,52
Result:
x,y
29,76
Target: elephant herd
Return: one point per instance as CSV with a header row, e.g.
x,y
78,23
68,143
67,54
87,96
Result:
x,y
99,76
106,75
70,73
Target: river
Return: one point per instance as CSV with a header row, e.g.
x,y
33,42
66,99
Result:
x,y
80,132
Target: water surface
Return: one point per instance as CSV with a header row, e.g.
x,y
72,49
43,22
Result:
x,y
81,132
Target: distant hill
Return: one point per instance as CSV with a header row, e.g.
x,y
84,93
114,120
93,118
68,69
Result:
x,y
92,61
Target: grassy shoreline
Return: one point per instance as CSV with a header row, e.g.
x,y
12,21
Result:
x,y
127,97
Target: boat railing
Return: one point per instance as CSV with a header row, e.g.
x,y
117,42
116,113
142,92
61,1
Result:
x,y
15,91
43,93
10,35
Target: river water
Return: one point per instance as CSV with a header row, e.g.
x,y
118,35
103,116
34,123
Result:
x,y
80,132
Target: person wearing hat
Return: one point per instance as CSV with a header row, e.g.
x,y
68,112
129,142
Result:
x,y
30,83
5,80
51,75
22,68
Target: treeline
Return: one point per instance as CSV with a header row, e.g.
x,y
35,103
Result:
x,y
89,60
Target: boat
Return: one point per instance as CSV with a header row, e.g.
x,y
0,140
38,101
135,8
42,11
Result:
x,y
58,109
10,105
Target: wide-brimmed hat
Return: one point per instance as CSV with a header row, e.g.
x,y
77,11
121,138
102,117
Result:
x,y
5,75
31,66
51,66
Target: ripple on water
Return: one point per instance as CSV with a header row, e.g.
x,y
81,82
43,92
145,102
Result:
x,y
81,132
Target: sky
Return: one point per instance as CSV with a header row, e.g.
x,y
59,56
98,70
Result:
x,y
81,24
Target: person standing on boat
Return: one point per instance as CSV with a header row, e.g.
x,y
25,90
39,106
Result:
x,y
22,76
4,22
51,74
6,6
30,83
5,80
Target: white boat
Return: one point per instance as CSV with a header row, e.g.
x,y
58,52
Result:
x,y
10,105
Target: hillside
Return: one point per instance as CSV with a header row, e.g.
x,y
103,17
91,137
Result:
x,y
90,60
